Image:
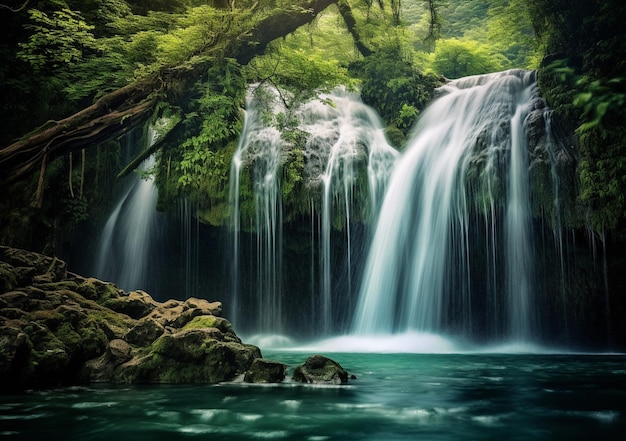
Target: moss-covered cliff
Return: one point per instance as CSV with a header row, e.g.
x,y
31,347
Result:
x,y
583,79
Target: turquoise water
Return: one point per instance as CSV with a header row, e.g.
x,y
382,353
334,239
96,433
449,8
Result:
x,y
395,397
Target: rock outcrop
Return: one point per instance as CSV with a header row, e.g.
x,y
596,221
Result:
x,y
58,328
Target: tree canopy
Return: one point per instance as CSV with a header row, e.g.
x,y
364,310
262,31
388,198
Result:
x,y
78,74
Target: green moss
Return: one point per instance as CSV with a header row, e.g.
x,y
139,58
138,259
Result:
x,y
396,137
8,281
49,318
87,290
204,321
106,291
210,321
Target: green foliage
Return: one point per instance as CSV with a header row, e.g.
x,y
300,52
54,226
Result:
x,y
456,58
597,99
313,58
195,163
510,33
394,87
602,171
57,40
584,83
213,122
500,29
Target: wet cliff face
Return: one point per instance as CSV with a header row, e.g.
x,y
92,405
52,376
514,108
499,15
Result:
x,y
303,275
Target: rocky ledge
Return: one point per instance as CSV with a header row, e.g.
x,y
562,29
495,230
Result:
x,y
58,328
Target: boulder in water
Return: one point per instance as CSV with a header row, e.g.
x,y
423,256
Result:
x,y
320,370
265,371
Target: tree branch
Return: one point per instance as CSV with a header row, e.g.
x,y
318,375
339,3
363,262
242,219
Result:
x,y
15,10
121,110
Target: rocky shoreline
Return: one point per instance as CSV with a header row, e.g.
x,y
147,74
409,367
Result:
x,y
58,328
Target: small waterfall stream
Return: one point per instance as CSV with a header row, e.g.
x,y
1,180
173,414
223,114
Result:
x,y
125,243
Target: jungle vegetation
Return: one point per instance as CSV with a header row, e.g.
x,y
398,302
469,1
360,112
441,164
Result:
x,y
78,77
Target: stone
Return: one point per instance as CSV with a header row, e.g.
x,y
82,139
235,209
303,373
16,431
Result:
x,y
189,356
8,280
145,332
58,328
320,370
265,371
50,268
15,346
136,305
103,368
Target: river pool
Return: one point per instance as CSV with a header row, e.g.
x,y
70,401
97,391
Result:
x,y
395,397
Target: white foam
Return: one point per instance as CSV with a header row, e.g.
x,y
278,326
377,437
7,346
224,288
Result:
x,y
487,420
292,404
94,404
604,416
410,342
270,341
271,435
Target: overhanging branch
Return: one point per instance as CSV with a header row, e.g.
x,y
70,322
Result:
x,y
118,112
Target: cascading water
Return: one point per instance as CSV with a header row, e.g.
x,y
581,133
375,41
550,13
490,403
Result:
x,y
124,249
343,149
343,138
456,222
261,146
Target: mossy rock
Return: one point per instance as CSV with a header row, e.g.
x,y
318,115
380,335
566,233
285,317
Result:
x,y
52,267
136,304
320,370
265,371
145,332
88,290
8,280
189,356
15,299
395,136
49,318
15,354
210,321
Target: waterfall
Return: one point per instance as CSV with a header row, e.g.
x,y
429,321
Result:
x,y
456,222
260,146
344,152
346,142
128,238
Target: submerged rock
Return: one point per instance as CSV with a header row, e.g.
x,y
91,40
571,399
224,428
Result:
x,y
320,370
265,371
58,328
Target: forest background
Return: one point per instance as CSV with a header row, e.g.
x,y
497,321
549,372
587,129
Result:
x,y
184,67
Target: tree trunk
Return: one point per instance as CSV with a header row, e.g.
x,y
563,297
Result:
x,y
118,112
350,21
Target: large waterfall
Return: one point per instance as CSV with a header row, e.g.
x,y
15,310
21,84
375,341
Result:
x,y
332,231
453,249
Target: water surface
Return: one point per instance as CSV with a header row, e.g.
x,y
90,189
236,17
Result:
x,y
395,397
